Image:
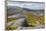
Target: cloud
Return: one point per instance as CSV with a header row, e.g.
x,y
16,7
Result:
x,y
27,5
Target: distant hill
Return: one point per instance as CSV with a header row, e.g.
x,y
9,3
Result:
x,y
15,9
32,9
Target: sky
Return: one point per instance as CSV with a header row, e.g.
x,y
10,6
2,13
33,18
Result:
x,y
30,5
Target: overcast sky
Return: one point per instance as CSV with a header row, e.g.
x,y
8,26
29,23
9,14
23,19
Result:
x,y
35,5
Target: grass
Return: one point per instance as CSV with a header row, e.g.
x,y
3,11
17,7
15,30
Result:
x,y
11,19
11,28
31,20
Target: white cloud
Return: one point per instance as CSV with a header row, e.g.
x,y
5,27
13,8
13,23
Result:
x,y
27,5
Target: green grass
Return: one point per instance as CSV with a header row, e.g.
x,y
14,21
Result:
x,y
11,19
11,28
31,19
